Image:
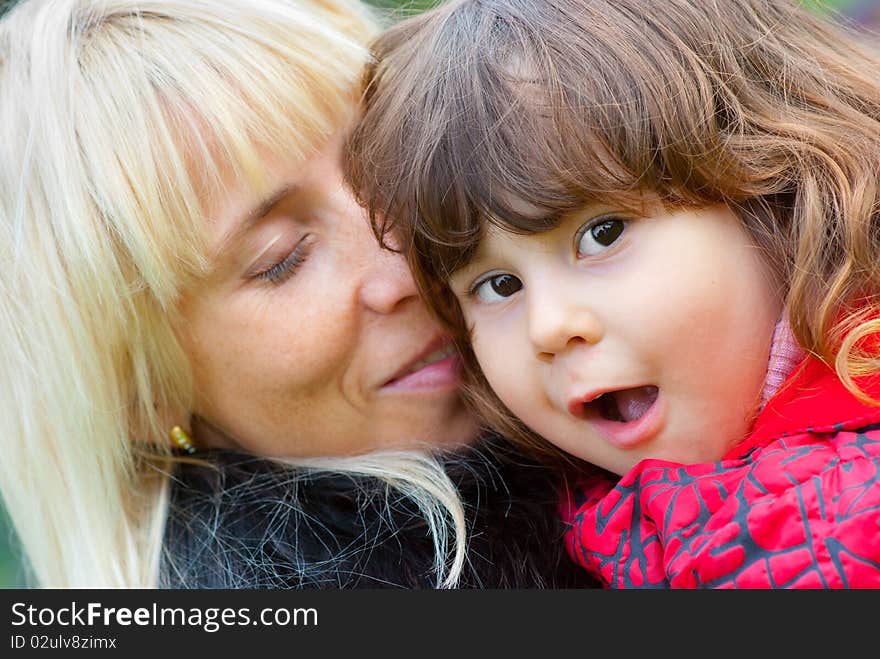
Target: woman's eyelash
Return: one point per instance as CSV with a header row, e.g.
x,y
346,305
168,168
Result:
x,y
282,271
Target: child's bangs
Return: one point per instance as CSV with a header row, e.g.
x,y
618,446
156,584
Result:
x,y
554,147
587,118
528,119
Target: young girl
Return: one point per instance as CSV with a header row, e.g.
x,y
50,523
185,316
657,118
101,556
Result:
x,y
653,228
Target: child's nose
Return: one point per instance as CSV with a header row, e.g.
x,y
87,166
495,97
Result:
x,y
555,325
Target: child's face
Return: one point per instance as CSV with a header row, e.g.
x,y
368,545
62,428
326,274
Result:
x,y
619,338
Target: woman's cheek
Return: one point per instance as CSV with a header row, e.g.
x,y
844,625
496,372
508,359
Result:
x,y
320,324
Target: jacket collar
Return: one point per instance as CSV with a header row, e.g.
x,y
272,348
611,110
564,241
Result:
x,y
813,399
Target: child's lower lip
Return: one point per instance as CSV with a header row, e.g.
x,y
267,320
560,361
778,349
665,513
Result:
x,y
441,374
626,435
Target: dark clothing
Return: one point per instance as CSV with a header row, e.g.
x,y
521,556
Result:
x,y
248,522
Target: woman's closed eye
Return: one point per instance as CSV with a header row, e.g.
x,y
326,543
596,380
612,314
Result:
x,y
495,288
598,235
284,269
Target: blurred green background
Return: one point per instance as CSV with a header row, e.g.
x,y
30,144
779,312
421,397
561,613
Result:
x,y
867,11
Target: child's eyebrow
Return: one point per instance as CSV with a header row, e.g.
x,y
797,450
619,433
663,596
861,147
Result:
x,y
481,258
460,280
486,251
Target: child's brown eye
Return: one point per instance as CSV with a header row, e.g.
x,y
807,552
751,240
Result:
x,y
599,235
496,288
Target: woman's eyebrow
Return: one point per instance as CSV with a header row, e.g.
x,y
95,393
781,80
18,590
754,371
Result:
x,y
256,213
267,203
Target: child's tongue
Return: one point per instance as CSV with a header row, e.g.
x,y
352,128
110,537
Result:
x,y
633,403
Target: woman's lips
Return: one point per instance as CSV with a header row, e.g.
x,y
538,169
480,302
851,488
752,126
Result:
x,y
437,369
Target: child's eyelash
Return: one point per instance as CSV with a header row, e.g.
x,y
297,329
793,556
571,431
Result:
x,y
282,271
472,290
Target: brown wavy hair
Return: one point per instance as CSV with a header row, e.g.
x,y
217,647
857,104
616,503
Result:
x,y
518,112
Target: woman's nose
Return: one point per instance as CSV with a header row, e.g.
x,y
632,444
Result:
x,y
387,281
557,321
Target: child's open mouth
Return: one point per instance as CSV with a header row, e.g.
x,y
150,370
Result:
x,y
624,417
624,405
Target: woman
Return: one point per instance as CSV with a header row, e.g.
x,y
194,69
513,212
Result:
x,y
179,250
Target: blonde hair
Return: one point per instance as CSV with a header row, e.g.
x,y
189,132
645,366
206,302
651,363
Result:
x,y
120,116
516,113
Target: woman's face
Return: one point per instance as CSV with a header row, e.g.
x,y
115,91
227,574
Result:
x,y
308,339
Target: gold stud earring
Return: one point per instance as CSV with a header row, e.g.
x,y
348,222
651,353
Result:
x,y
179,437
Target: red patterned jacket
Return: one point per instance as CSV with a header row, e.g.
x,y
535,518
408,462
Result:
x,y
796,505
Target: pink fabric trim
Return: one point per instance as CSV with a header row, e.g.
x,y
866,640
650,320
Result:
x,y
785,354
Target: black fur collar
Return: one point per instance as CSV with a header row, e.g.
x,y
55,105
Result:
x,y
246,522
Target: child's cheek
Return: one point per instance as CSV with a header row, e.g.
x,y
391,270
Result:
x,y
506,359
